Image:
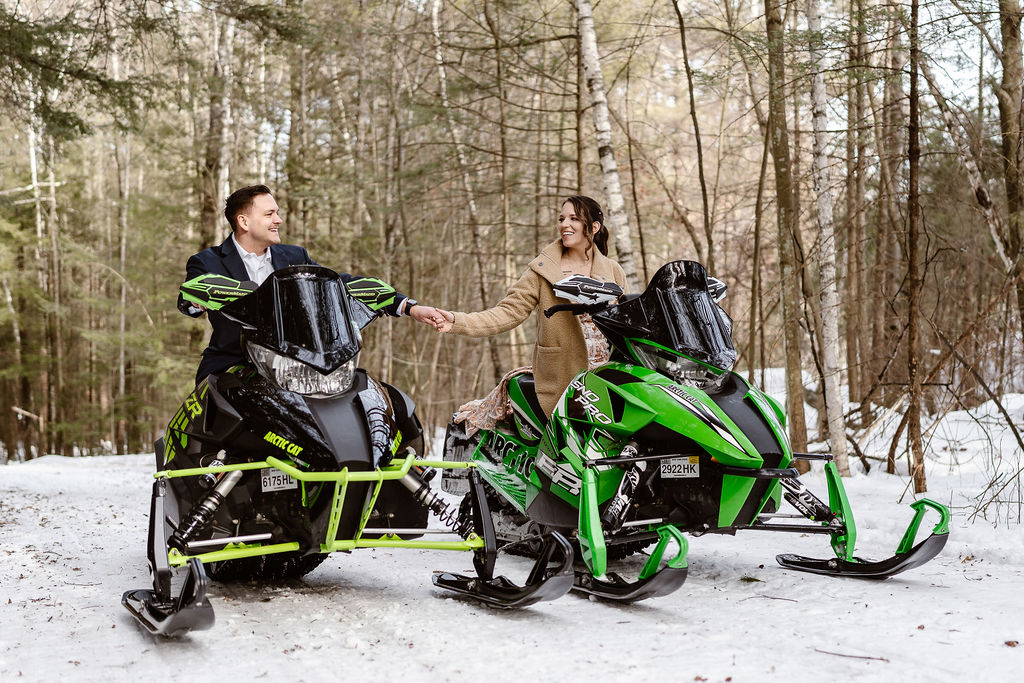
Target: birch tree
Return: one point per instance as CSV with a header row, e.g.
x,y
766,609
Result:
x,y
618,220
827,249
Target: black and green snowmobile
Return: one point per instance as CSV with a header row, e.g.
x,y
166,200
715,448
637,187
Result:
x,y
661,440
268,467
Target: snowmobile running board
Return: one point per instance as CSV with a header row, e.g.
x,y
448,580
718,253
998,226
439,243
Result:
x,y
907,555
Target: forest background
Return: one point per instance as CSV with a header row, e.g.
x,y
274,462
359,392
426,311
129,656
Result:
x,y
851,170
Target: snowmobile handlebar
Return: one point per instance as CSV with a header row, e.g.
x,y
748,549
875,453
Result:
x,y
576,309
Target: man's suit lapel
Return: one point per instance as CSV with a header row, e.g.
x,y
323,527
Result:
x,y
232,261
277,258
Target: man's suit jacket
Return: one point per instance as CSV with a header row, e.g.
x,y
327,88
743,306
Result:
x,y
225,348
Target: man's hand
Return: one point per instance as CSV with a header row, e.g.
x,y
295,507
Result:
x,y
427,315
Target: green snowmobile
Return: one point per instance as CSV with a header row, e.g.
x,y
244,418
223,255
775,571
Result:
x,y
661,440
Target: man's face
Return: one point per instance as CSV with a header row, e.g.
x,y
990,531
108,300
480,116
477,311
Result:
x,y
261,221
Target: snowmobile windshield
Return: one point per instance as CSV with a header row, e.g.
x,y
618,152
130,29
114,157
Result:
x,y
301,312
676,315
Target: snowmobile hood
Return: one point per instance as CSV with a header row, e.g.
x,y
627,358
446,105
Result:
x,y
302,312
676,311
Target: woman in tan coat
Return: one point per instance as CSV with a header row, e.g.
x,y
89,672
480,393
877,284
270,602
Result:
x,y
566,344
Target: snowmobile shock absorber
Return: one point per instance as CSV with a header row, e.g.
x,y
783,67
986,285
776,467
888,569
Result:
x,y
615,513
433,502
209,480
202,512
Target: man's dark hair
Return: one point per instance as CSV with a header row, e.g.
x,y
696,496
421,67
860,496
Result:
x,y
240,201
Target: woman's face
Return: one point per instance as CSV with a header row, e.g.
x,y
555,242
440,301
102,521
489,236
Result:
x,y
571,228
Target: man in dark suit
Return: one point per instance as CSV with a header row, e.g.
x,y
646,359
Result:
x,y
252,252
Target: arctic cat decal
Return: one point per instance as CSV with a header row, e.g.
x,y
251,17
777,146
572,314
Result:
x,y
703,412
587,398
283,443
501,447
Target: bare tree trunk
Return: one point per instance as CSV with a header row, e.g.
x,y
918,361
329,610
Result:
x,y
1011,118
44,376
16,434
295,164
787,225
913,276
633,184
211,191
618,221
467,185
854,201
827,250
506,190
55,330
696,136
756,321
122,153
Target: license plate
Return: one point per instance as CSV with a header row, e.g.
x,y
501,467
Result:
x,y
681,468
276,480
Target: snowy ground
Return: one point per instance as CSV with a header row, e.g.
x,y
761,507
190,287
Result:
x,y
72,539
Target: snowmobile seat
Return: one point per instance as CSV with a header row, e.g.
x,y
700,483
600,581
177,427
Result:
x,y
529,389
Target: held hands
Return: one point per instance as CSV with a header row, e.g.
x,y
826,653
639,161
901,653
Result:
x,y
447,321
440,320
427,315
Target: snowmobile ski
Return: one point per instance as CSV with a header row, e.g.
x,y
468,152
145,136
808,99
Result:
x,y
615,588
190,611
543,583
907,555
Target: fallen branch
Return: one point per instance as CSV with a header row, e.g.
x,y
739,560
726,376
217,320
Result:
x,y
840,654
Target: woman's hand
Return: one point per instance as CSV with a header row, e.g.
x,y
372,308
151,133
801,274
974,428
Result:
x,y
447,321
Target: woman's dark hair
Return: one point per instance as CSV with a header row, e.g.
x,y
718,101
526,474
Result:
x,y
590,212
240,201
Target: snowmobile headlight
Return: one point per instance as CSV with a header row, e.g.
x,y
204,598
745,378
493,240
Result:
x,y
293,375
679,368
